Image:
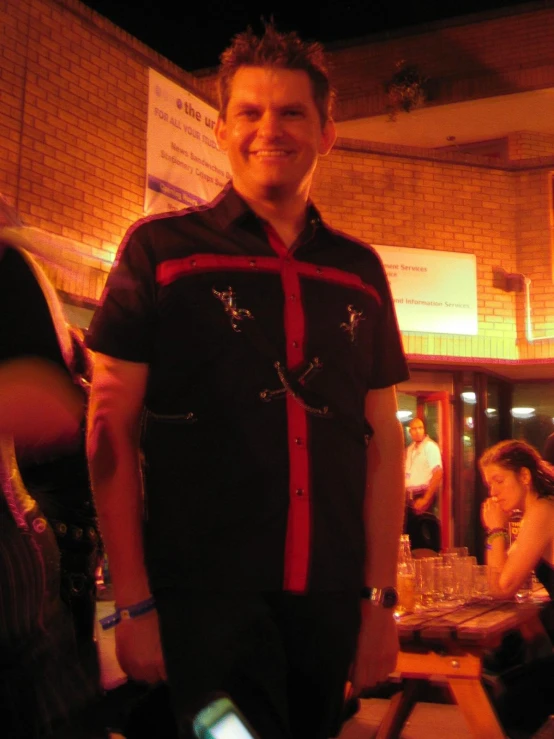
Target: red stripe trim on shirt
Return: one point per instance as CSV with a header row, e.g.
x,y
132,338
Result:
x,y
171,270
299,524
338,277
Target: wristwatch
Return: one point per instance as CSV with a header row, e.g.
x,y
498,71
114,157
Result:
x,y
386,597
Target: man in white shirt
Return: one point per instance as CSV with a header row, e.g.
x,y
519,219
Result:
x,y
424,474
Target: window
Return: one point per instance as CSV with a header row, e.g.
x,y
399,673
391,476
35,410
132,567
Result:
x,y
533,412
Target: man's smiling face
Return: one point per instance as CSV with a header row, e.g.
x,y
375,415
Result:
x,y
272,132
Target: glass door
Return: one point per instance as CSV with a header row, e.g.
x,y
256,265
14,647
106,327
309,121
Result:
x,y
427,395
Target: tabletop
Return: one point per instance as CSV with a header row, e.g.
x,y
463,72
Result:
x,y
475,623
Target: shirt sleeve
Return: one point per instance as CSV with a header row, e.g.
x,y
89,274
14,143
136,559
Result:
x,y
389,366
122,326
433,455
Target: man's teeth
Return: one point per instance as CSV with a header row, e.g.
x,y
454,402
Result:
x,y
272,153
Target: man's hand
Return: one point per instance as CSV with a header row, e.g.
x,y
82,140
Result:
x,y
138,648
377,647
420,505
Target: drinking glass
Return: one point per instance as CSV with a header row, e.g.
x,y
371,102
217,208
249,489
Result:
x,y
480,581
427,568
445,575
455,551
417,583
463,574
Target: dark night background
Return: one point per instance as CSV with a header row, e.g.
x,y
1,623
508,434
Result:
x,y
193,34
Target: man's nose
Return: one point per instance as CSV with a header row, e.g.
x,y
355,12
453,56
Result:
x,y
270,125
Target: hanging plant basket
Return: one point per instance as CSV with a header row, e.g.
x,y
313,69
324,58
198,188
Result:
x,y
405,90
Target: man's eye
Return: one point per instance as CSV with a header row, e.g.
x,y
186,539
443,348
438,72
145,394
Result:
x,y
292,113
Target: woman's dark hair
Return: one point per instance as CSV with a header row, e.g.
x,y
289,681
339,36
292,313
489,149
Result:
x,y
514,455
282,51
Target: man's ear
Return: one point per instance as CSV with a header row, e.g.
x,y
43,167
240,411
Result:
x,y
221,134
328,137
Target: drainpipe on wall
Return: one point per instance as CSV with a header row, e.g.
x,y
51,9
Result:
x,y
528,324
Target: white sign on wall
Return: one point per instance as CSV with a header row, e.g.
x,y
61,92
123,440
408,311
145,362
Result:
x,y
434,291
183,165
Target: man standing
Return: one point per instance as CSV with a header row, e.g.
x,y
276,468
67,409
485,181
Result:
x,y
255,347
423,471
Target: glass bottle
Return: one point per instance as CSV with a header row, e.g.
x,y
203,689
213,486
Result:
x,y
514,525
405,577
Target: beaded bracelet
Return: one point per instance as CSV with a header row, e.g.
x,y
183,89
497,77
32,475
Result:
x,y
134,611
495,534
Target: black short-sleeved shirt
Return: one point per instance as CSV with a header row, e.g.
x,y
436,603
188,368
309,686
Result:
x,y
259,359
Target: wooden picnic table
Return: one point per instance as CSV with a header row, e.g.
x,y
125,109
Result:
x,y
446,645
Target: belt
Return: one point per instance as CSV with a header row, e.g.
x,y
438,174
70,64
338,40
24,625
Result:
x,y
417,492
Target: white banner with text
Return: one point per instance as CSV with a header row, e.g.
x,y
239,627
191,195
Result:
x,y
184,167
434,291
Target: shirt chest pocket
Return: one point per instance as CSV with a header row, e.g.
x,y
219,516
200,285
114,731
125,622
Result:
x,y
201,317
340,325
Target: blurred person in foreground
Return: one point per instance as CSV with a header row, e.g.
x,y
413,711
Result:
x,y
249,351
49,677
518,478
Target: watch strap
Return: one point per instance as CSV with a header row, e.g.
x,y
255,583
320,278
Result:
x,y
386,597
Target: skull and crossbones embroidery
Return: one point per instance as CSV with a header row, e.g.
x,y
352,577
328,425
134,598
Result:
x,y
228,299
287,387
351,325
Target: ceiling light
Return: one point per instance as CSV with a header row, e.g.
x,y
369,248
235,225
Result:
x,y
523,412
404,415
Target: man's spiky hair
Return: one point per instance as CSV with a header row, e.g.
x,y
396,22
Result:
x,y
280,50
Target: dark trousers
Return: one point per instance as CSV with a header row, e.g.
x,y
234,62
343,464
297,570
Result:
x,y
282,658
423,529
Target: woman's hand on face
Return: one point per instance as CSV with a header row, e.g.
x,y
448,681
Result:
x,y
492,515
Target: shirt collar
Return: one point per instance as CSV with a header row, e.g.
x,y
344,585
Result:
x,y
230,209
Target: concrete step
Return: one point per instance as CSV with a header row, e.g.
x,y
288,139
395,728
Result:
x,y
426,720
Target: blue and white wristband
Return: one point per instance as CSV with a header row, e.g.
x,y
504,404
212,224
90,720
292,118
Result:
x,y
122,614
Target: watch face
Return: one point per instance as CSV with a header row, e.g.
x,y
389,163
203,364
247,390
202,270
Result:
x,y
390,597
385,597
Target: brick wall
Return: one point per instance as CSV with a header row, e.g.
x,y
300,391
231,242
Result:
x,y
534,200
477,56
73,144
529,145
503,215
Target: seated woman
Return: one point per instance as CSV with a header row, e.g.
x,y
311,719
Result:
x,y
518,478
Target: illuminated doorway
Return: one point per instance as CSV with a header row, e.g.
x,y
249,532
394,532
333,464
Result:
x,y
427,395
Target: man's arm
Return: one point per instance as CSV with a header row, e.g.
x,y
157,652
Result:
x,y
383,516
116,404
426,501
